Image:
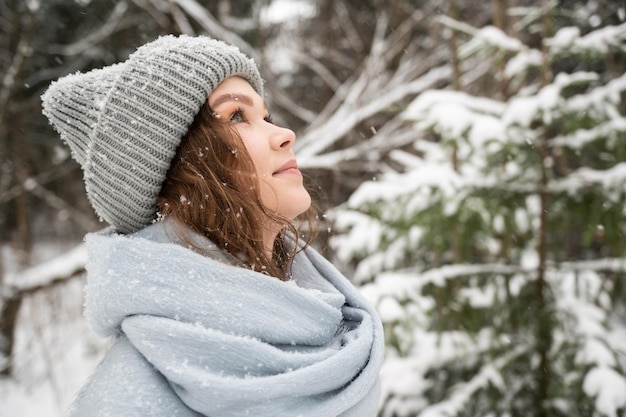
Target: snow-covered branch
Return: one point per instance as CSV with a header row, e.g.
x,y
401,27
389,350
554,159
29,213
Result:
x,y
401,284
489,374
46,274
569,40
609,179
350,113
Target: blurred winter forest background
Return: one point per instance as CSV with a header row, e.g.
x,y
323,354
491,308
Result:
x,y
470,157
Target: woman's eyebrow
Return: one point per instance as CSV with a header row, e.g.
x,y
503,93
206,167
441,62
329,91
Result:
x,y
232,97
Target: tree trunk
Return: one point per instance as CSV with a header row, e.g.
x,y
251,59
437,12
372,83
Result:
x,y
8,320
544,330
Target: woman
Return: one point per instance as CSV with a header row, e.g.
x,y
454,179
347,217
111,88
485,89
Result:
x,y
215,304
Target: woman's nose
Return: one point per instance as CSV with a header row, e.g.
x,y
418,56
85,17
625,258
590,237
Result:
x,y
283,138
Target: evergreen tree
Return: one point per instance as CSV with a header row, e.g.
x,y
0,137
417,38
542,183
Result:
x,y
495,253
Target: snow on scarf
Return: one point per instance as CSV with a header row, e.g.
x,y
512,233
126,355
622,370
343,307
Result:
x,y
230,341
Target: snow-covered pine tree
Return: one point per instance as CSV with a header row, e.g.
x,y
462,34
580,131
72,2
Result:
x,y
496,255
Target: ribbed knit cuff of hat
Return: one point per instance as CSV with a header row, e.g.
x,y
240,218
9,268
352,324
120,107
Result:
x,y
123,123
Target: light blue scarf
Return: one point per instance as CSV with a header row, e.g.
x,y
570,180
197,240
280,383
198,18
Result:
x,y
198,336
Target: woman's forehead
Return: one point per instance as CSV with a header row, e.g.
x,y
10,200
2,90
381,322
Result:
x,y
235,89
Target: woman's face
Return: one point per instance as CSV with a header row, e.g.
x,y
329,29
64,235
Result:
x,y
269,146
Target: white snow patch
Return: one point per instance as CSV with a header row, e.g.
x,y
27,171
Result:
x,y
285,11
608,388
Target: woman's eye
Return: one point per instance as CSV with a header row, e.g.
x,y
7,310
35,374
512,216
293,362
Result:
x,y
269,119
238,116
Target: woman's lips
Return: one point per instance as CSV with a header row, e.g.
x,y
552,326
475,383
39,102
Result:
x,y
289,167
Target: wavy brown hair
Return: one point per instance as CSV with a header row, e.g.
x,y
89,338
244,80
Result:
x,y
212,188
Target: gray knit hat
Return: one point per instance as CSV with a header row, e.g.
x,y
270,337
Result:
x,y
124,122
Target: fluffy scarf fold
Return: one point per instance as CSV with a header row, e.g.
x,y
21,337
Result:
x,y
231,341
